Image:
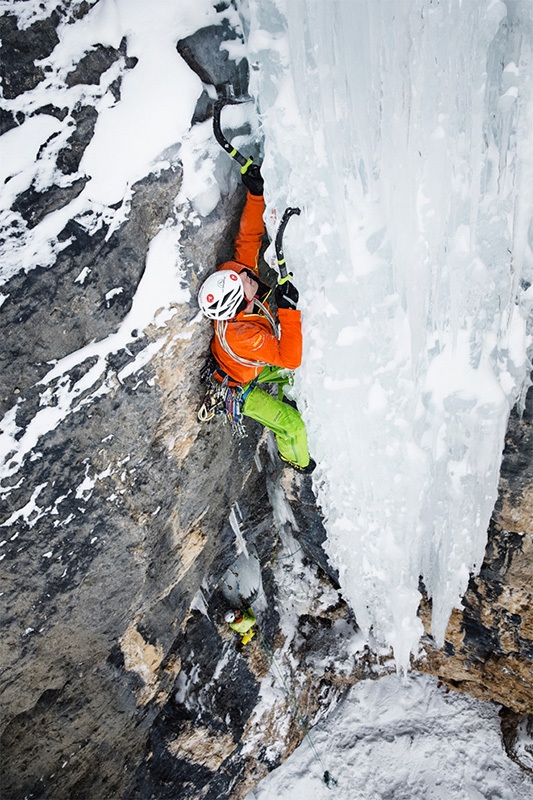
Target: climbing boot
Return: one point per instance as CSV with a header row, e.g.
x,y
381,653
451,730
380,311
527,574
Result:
x,y
304,470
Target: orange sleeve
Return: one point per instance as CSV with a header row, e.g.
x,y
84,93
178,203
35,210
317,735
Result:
x,y
251,230
250,340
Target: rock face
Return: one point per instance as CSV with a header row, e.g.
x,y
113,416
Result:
x,y
122,523
122,534
21,50
119,676
489,643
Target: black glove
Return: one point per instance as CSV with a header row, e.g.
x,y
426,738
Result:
x,y
286,295
253,180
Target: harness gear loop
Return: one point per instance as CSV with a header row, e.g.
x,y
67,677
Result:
x,y
225,400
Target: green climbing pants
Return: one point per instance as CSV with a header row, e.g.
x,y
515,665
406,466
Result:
x,y
279,417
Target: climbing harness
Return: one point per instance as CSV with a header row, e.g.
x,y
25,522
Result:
x,y
222,399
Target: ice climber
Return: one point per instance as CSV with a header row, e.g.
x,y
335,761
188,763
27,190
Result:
x,y
242,623
250,346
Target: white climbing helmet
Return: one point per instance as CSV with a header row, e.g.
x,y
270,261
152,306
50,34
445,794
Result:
x,y
221,295
229,616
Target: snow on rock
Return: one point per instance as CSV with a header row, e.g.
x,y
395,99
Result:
x,y
401,738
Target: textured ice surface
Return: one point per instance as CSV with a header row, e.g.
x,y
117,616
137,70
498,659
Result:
x,y
405,138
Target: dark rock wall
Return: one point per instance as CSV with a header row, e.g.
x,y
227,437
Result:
x,y
21,50
124,555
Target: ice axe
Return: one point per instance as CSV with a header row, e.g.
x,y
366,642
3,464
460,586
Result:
x,y
287,214
244,162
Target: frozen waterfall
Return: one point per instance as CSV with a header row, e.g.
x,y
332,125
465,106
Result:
x,y
404,132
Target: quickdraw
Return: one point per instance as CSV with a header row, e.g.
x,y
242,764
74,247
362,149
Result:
x,y
220,399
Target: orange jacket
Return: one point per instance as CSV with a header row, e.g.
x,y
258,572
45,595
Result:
x,y
250,335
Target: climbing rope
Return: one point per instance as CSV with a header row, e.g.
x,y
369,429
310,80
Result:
x,y
300,719
277,672
328,779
